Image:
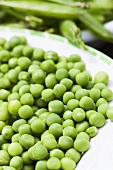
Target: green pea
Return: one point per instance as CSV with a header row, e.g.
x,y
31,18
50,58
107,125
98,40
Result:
x,y
32,68
24,63
41,165
47,136
4,94
26,158
24,76
23,40
53,163
38,76
16,162
2,41
83,135
82,126
50,143
88,113
59,90
78,114
53,118
72,73
26,141
27,99
80,93
25,129
67,123
4,83
56,106
101,77
15,149
103,108
4,55
50,81
13,75
70,65
28,167
86,103
3,140
81,144
47,95
82,79
63,59
7,168
4,114
48,66
27,51
24,89
74,58
44,116
15,137
56,130
72,104
67,115
40,103
2,124
67,83
7,46
13,107
61,74
7,132
67,96
4,68
94,94
38,54
89,86
36,90
92,131
5,146
107,94
25,111
13,96
97,119
62,64
17,124
67,164
100,86
80,66
17,51
51,55
38,126
70,131
40,111
14,41
109,113
57,153
4,157
101,101
73,154
74,88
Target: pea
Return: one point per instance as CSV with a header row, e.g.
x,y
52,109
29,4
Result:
x,y
13,107
100,86
16,162
4,83
13,96
72,104
40,103
56,106
7,132
107,94
2,124
67,115
26,141
65,142
82,79
14,41
97,119
59,90
38,126
17,51
5,146
83,135
4,68
67,123
24,76
4,157
32,68
80,93
4,114
26,158
24,63
62,64
73,154
40,111
48,66
27,51
38,54
103,108
17,124
70,131
4,55
80,66
86,103
2,41
74,58
78,114
101,77
53,118
56,130
44,116
72,73
47,95
28,167
92,131
47,136
15,137
89,86
61,73
8,168
4,94
13,75
81,144
27,99
67,83
53,163
3,140
25,129
25,111
50,143
15,149
23,40
7,46
101,101
38,76
57,153
82,126
67,96
67,163
50,81
51,55
109,113
70,65
74,88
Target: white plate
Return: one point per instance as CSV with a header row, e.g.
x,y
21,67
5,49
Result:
x,y
100,154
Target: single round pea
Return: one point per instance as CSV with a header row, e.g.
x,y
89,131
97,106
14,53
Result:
x,y
70,65
92,131
67,83
18,123
53,163
26,158
27,51
38,126
26,141
48,66
81,144
82,126
61,74
109,113
57,153
13,107
70,131
17,51
80,93
107,94
50,81
50,143
47,95
82,79
101,77
4,55
56,106
13,75
23,75
65,142
83,135
28,167
97,119
89,86
25,111
40,111
5,146
38,54
62,64
56,130
51,55
78,114
13,96
3,140
32,68
2,124
74,88
12,62
16,162
94,94
15,137
25,129
24,89
73,154
14,41
74,58
23,40
4,94
24,63
44,116
2,41
80,66
67,96
103,108
86,103
100,86
4,83
88,113
67,164
4,114
4,68
67,115
72,104
53,118
40,103
41,165
59,90
72,73
7,46
38,152
68,122
4,157
15,149
38,76
101,101
47,136
7,132
27,99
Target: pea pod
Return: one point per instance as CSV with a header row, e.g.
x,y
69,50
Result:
x,y
42,8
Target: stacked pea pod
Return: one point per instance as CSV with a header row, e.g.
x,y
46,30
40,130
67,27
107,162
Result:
x,y
50,107
66,18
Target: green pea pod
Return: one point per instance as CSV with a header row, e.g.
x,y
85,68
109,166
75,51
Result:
x,y
95,26
42,8
69,29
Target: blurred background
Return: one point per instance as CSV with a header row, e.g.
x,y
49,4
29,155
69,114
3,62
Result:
x,y
80,21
